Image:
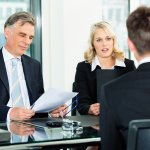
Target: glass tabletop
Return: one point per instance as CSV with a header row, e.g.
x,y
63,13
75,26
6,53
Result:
x,y
36,131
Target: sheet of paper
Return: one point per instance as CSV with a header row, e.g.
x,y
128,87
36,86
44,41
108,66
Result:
x,y
52,99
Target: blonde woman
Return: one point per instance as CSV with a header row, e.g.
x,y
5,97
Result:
x,y
103,53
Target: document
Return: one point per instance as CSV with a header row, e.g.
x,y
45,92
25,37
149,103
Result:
x,y
52,99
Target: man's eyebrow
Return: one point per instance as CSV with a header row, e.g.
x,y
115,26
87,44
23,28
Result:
x,y
22,33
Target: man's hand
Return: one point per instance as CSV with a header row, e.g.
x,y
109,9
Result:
x,y
94,109
21,129
58,111
20,113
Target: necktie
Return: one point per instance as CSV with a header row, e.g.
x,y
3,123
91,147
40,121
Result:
x,y
16,96
16,138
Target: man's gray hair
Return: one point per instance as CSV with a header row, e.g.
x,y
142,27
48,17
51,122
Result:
x,y
24,17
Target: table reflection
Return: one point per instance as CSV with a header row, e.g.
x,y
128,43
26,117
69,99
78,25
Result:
x,y
21,129
20,132
23,132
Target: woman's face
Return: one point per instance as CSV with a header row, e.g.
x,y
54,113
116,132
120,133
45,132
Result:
x,y
103,43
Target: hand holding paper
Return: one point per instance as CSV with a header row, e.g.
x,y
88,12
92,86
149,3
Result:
x,y
52,99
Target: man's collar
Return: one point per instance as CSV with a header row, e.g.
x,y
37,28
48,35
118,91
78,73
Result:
x,y
7,55
144,60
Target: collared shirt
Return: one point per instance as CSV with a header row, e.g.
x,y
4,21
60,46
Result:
x,y
95,63
144,60
8,63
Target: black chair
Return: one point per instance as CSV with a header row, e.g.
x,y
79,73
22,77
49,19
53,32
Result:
x,y
139,135
103,76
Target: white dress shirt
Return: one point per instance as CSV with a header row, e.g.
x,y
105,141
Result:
x,y
8,63
95,62
144,60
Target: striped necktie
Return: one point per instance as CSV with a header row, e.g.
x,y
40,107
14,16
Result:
x,y
16,138
16,96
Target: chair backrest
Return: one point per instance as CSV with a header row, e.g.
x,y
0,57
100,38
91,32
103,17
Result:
x,y
139,135
103,76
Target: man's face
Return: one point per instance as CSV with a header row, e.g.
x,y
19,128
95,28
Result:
x,y
18,38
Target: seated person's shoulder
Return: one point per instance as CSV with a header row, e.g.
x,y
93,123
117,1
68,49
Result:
x,y
130,64
119,82
128,61
30,60
83,64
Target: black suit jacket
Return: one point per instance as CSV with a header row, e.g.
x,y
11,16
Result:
x,y
124,99
34,82
85,84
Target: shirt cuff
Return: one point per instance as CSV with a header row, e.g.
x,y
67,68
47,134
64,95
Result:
x,y
8,115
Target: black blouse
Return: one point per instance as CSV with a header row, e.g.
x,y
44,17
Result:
x,y
85,84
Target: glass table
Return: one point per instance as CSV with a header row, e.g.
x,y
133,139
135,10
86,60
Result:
x,y
34,134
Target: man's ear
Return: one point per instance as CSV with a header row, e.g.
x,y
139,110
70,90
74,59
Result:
x,y
131,46
6,32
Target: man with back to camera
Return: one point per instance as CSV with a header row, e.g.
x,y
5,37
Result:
x,y
21,81
128,97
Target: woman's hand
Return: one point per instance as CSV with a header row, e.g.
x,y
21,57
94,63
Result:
x,y
94,109
58,111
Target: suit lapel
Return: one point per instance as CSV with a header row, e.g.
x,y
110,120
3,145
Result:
x,y
3,73
27,73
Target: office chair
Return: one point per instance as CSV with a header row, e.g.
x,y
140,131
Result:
x,y
139,135
103,76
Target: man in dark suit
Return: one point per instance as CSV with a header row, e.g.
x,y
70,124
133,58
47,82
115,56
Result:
x,y
128,97
19,32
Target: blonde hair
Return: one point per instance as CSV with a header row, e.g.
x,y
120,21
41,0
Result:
x,y
90,52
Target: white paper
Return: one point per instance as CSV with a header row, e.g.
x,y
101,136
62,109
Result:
x,y
52,99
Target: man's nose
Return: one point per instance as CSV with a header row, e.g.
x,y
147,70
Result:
x,y
28,40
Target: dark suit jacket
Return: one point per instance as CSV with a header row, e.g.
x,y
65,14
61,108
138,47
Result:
x,y
124,99
85,84
34,82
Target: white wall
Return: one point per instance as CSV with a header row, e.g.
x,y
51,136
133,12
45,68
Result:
x,y
79,15
65,31
52,43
